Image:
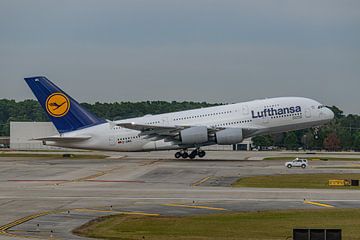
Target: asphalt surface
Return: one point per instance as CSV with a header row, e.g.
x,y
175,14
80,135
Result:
x,y
48,198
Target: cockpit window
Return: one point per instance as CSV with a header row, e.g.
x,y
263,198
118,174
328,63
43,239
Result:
x,y
321,106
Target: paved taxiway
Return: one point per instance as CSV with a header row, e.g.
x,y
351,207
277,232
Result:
x,y
49,197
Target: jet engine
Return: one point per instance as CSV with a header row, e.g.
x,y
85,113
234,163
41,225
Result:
x,y
229,136
194,135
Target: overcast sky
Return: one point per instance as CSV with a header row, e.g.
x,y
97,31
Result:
x,y
199,50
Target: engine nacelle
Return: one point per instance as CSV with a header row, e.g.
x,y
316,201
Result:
x,y
229,136
194,135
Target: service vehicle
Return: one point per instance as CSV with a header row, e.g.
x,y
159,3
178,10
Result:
x,y
297,162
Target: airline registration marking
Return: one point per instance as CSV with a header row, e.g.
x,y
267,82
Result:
x,y
57,104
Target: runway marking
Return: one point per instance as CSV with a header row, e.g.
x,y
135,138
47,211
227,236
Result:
x,y
201,181
5,228
36,180
194,206
116,181
116,212
149,163
90,180
91,177
176,198
319,204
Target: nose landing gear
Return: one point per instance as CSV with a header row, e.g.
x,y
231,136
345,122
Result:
x,y
316,133
184,154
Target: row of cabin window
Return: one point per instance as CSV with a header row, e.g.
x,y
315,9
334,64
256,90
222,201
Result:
x,y
149,123
232,123
128,138
204,115
270,106
287,115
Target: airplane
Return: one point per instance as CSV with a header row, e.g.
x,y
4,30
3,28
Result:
x,y
193,129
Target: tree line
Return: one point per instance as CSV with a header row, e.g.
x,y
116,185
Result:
x,y
343,133
30,110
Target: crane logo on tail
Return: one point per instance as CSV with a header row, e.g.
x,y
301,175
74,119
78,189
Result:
x,y
57,105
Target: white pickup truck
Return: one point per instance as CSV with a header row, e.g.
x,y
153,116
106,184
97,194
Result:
x,y
297,162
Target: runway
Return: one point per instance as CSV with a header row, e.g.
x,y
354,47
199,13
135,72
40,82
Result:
x,y
49,197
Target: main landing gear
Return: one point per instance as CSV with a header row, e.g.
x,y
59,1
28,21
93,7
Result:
x,y
184,154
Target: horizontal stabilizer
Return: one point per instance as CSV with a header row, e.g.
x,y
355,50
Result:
x,y
63,139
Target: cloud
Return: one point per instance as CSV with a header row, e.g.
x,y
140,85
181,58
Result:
x,y
204,50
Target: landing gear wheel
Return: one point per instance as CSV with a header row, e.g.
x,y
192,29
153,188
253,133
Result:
x,y
185,155
194,153
178,154
201,154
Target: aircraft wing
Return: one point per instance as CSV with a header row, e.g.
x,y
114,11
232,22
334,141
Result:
x,y
63,139
153,130
162,132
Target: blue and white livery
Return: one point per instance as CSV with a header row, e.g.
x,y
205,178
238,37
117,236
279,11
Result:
x,y
192,129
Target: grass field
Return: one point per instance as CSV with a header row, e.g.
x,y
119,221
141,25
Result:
x,y
295,181
269,225
50,156
289,158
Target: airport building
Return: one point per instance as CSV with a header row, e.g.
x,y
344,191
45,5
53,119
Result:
x,y
22,133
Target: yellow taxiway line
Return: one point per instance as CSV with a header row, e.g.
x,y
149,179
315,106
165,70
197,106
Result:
x,y
194,206
90,177
116,212
25,219
319,204
197,183
4,229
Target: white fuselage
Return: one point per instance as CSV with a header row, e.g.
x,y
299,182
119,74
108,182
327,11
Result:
x,y
263,116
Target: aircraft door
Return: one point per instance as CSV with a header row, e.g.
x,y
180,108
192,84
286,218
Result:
x,y
308,113
165,121
112,140
245,110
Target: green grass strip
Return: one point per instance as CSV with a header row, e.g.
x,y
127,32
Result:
x,y
317,181
269,225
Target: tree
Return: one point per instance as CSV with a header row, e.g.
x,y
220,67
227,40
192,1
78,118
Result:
x,y
308,140
337,112
30,110
356,142
291,141
332,142
263,141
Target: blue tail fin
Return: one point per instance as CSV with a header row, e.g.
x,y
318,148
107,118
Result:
x,y
66,114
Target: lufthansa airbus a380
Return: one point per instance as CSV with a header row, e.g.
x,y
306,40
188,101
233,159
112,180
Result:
x,y
192,129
